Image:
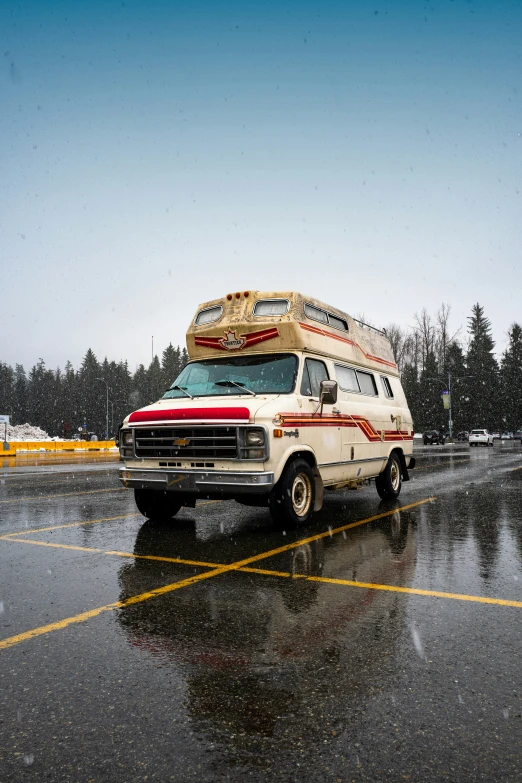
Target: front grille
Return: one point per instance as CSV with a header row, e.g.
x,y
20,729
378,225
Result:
x,y
201,442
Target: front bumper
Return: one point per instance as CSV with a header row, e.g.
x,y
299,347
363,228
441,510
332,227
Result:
x,y
199,482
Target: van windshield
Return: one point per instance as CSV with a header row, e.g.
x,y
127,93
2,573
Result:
x,y
264,374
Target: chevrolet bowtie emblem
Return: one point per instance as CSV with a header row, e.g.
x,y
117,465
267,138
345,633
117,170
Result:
x,y
182,442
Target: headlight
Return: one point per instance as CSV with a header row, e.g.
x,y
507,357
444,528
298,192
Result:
x,y
255,438
126,438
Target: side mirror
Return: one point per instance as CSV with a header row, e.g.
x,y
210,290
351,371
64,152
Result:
x,y
328,392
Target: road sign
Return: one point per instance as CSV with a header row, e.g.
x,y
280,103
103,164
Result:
x,y
4,419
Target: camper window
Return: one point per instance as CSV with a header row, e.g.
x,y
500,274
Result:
x,y
367,383
386,385
337,323
347,378
209,315
325,318
315,314
271,307
313,373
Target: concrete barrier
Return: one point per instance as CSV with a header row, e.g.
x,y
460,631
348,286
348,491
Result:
x,y
52,446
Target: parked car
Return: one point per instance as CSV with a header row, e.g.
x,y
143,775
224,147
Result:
x,y
464,435
496,436
480,438
507,436
433,436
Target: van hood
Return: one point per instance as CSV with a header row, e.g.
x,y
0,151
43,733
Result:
x,y
215,410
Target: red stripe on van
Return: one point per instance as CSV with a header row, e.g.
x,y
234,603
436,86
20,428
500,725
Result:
x,y
192,414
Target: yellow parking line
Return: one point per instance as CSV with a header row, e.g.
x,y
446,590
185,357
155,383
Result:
x,y
390,588
70,524
180,560
53,545
62,495
13,640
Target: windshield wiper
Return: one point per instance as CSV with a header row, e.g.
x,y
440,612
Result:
x,y
233,383
182,389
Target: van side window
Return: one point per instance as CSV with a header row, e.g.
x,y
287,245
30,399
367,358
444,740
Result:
x,y
367,383
313,373
346,378
386,385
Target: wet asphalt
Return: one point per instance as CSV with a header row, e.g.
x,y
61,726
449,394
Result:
x,y
317,662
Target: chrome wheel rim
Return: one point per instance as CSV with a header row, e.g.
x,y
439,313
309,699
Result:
x,y
395,475
301,494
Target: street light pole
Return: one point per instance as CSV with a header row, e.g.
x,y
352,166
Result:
x,y
450,408
107,409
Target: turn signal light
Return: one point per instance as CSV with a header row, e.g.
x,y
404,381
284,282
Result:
x,y
229,297
278,433
238,296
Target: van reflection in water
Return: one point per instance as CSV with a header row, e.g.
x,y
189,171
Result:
x,y
257,650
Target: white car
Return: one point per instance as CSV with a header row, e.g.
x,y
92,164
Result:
x,y
480,438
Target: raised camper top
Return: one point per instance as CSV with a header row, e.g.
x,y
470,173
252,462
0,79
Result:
x,y
269,322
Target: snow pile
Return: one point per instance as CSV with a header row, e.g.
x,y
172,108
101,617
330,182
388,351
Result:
x,y
22,432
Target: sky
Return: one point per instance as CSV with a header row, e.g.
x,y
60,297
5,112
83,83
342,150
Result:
x,y
155,155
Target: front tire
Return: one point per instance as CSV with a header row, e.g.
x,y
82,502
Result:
x,y
389,482
293,497
156,504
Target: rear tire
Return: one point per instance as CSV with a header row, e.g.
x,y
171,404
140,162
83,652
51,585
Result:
x,y
389,482
156,504
293,497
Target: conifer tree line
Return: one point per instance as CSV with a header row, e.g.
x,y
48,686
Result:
x,y
62,401
485,392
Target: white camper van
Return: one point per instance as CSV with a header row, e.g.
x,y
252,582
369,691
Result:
x,y
283,397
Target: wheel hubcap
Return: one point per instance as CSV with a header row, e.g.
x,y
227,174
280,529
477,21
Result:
x,y
395,475
301,494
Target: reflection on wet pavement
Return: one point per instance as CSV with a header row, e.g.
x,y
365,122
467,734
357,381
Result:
x,y
270,672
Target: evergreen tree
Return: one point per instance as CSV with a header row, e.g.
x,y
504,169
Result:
x,y
511,381
20,412
432,413
6,389
482,409
456,366
92,394
71,413
170,365
155,381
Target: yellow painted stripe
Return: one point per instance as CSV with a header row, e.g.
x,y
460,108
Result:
x,y
415,591
81,618
52,545
70,524
180,560
325,534
11,641
63,495
389,588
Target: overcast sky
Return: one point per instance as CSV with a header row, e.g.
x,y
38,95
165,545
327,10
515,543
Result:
x,y
155,155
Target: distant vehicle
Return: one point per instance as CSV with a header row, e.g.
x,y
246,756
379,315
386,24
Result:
x,y
507,436
496,436
464,435
480,438
518,435
432,437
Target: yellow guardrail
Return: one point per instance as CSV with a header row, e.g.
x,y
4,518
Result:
x,y
52,446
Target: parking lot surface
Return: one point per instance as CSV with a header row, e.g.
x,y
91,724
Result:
x,y
380,642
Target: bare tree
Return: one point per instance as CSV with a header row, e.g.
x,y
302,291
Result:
x,y
443,338
425,329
